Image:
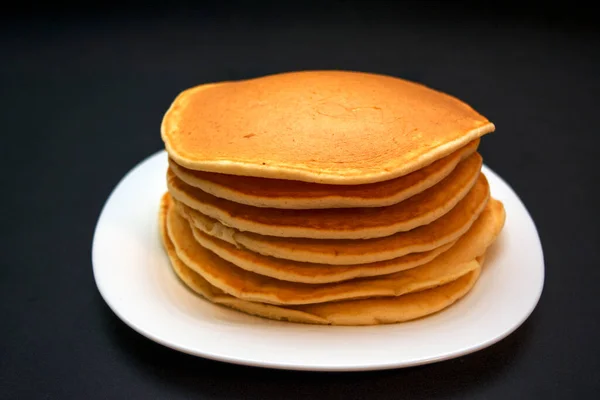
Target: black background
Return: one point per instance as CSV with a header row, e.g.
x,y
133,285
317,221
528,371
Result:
x,y
83,93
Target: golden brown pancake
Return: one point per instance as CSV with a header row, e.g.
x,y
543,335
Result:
x,y
332,127
279,193
442,231
250,286
351,312
337,223
389,310
306,272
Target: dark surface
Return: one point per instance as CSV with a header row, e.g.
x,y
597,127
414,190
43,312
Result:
x,y
82,99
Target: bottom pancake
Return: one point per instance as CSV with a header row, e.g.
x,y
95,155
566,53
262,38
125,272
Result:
x,y
350,312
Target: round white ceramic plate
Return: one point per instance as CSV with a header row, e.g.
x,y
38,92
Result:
x,y
134,277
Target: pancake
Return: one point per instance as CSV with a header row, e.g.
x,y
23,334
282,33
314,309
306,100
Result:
x,y
338,223
333,127
425,238
250,286
395,309
295,271
351,312
279,193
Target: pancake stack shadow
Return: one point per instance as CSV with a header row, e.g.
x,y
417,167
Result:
x,y
327,235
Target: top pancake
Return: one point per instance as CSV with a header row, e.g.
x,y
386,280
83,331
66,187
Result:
x,y
334,127
280,193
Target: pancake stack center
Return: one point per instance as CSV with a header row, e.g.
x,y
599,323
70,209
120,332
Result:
x,y
327,197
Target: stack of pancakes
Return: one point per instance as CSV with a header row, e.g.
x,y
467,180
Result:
x,y
327,197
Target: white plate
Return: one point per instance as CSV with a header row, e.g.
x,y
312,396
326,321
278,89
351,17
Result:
x,y
134,277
